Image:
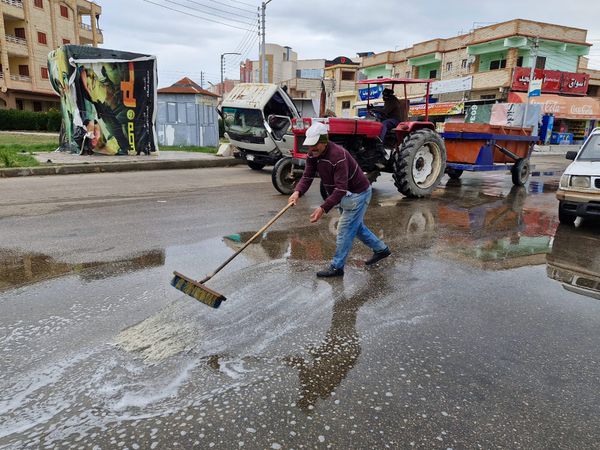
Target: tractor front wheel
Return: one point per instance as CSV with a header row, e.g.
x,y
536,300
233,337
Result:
x,y
420,163
282,177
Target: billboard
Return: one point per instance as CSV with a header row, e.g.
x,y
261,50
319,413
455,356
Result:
x,y
108,100
554,81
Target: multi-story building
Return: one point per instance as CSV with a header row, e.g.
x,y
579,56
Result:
x,y
488,54
493,64
29,30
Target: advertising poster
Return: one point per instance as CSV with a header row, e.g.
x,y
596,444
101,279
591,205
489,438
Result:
x,y
108,100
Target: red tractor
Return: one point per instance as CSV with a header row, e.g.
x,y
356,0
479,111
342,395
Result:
x,y
413,152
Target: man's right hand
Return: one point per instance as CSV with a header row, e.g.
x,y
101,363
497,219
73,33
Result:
x,y
294,198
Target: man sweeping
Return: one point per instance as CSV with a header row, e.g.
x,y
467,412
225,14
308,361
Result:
x,y
348,188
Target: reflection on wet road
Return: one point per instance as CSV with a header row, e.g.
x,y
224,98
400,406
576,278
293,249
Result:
x,y
480,331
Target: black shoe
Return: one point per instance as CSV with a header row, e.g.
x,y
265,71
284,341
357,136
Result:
x,y
330,272
378,256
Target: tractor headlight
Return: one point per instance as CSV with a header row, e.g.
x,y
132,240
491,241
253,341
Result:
x,y
564,181
580,182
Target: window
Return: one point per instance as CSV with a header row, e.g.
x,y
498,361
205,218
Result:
x,y
37,106
20,33
64,11
298,73
449,67
346,104
408,74
172,112
44,73
66,41
520,61
464,63
498,64
24,70
42,38
433,74
347,76
19,105
540,62
38,3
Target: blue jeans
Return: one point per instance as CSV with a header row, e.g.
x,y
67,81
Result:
x,y
353,208
388,124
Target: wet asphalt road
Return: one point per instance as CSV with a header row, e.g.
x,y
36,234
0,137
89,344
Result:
x,y
480,331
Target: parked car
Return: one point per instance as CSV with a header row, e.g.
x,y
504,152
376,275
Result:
x,y
579,190
245,113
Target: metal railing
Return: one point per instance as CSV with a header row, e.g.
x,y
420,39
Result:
x,y
1,76
85,26
22,78
15,39
17,3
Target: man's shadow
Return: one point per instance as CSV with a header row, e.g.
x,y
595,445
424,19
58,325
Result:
x,y
339,351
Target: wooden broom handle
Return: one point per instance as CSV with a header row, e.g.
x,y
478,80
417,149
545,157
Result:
x,y
248,242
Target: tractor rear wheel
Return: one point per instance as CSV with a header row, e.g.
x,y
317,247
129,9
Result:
x,y
282,177
420,163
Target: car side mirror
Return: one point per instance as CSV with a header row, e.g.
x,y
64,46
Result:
x,y
278,126
571,155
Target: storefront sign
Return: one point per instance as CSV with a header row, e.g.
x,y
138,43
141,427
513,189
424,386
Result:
x,y
371,93
561,106
478,113
438,109
455,85
535,88
575,83
554,81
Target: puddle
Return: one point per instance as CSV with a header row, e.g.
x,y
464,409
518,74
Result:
x,y
21,269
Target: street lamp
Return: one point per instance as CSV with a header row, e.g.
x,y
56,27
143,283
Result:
x,y
223,69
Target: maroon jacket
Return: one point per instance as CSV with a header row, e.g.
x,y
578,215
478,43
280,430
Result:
x,y
339,172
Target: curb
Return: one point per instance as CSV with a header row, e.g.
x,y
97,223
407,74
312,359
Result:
x,y
129,166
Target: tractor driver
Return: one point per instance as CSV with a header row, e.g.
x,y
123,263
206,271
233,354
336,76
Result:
x,y
394,112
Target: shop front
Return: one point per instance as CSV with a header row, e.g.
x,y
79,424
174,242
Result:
x,y
571,118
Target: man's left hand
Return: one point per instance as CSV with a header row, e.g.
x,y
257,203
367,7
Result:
x,y
316,215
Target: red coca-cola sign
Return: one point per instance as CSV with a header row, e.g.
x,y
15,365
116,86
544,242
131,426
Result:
x,y
554,82
575,83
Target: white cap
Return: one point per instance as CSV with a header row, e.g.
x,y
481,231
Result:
x,y
314,132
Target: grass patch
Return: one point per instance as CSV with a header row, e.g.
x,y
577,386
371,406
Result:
x,y
212,150
16,148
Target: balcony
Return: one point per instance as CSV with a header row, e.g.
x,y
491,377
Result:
x,y
14,9
19,82
16,46
492,79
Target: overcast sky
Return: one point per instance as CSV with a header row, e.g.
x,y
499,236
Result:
x,y
186,45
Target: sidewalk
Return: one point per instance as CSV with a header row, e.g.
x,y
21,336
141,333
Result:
x,y
60,163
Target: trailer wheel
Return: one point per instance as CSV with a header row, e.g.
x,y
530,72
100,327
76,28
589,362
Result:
x,y
255,166
282,177
520,172
454,174
420,163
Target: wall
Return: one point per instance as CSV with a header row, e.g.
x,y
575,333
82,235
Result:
x,y
376,71
424,70
188,120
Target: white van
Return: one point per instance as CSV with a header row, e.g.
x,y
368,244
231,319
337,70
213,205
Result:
x,y
246,111
579,189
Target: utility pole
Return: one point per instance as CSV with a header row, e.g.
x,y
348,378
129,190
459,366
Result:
x,y
202,79
222,88
534,51
263,56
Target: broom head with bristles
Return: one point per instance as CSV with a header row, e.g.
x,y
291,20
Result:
x,y
197,290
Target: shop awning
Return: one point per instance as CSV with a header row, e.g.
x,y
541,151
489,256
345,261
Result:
x,y
579,108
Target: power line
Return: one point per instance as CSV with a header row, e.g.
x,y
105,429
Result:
x,y
233,7
244,3
208,13
218,9
193,15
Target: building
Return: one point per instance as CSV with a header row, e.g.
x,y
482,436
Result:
x,y
187,115
222,89
29,30
485,66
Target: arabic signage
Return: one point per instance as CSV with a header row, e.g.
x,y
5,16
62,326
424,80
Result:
x,y
554,81
438,109
371,93
455,85
535,88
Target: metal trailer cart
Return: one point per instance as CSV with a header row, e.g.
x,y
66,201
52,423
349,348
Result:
x,y
484,147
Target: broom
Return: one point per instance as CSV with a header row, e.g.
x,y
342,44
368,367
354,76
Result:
x,y
198,290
